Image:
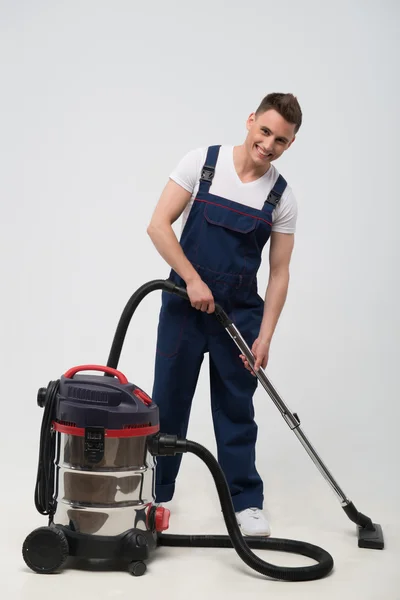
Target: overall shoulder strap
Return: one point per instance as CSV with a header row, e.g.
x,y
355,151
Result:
x,y
276,193
208,170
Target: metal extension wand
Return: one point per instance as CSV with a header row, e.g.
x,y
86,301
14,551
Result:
x,y
370,534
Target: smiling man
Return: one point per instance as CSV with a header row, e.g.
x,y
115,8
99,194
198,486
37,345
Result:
x,y
233,201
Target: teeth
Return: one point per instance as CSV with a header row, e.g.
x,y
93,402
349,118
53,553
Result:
x,y
263,153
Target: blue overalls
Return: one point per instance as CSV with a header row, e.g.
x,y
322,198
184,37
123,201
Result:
x,y
223,240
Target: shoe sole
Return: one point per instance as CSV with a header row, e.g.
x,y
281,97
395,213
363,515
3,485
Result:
x,y
250,534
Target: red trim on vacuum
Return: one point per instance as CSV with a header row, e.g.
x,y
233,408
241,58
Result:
x,y
71,372
128,431
142,396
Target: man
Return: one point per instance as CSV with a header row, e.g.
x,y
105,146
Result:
x,y
233,200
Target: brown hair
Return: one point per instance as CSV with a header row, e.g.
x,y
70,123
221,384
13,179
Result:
x,y
286,105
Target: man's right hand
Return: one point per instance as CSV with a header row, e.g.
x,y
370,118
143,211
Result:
x,y
200,296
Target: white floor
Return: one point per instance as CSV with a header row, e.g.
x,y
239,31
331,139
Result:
x,y
307,512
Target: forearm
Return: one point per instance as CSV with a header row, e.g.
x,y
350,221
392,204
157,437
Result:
x,y
275,299
165,241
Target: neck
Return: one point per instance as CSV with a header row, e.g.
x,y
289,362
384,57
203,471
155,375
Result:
x,y
245,167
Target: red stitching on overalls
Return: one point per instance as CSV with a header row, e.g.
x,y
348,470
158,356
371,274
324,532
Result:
x,y
234,210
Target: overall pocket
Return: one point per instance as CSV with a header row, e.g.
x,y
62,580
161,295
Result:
x,y
228,243
229,218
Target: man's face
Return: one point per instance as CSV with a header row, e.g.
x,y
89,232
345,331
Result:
x,y
269,136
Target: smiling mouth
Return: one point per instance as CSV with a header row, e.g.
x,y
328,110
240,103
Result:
x,y
262,153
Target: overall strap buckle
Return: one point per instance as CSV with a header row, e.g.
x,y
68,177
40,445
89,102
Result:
x,y
276,193
207,173
273,198
208,170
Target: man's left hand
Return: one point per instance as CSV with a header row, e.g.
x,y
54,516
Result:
x,y
260,350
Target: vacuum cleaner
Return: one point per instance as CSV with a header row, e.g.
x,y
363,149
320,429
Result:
x,y
99,442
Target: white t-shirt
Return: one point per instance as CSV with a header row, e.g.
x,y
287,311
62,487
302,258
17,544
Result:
x,y
226,183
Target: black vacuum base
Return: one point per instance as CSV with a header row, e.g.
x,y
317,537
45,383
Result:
x,y
371,538
47,549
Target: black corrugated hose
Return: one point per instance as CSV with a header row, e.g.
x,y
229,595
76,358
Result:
x,y
169,445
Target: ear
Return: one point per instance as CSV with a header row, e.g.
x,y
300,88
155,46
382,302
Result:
x,y
291,142
250,121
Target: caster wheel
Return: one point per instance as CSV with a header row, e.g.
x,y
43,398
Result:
x,y
45,550
137,568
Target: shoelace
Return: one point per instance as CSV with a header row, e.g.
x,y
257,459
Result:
x,y
255,511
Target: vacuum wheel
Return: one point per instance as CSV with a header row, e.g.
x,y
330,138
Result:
x,y
45,550
137,568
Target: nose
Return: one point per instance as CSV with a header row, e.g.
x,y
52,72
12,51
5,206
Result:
x,y
269,145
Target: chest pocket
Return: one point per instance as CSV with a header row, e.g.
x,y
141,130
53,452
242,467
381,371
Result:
x,y
230,219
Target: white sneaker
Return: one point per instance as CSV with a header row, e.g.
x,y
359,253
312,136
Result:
x,y
252,522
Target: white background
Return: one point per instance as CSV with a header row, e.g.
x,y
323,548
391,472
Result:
x,y
99,100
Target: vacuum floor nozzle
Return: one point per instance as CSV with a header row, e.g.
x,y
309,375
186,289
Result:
x,y
371,538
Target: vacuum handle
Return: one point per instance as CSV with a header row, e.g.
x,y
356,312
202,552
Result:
x,y
221,315
110,371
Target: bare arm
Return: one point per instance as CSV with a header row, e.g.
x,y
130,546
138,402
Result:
x,y
170,206
281,248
